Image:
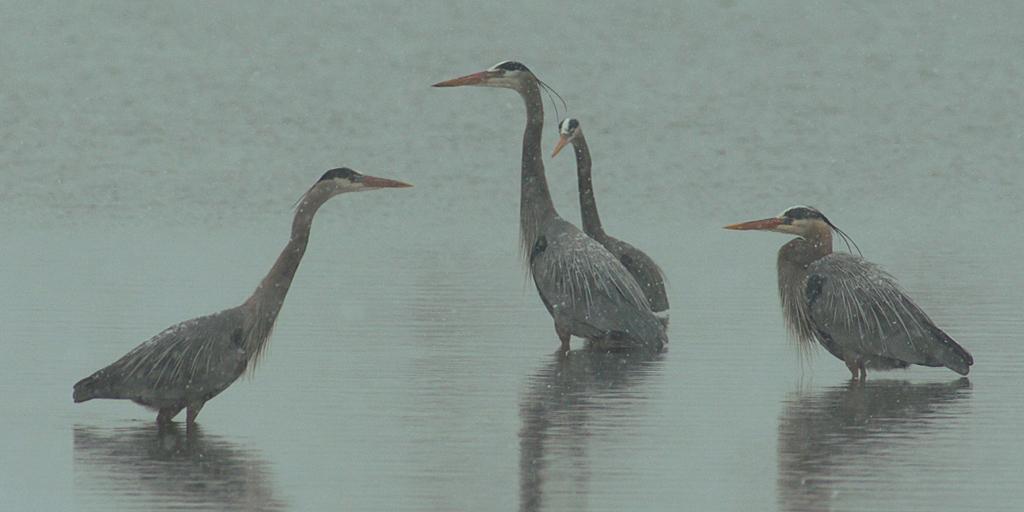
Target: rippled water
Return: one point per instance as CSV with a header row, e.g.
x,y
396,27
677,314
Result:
x,y
149,155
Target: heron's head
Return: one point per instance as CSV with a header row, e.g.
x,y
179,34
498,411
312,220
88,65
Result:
x,y
508,74
341,180
568,130
802,221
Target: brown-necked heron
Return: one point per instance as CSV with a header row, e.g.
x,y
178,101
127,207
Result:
x,y
850,306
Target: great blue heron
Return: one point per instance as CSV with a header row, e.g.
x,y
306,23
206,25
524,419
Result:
x,y
639,264
850,306
189,363
584,287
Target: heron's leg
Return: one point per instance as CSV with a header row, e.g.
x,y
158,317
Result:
x,y
167,414
863,372
852,365
193,411
563,336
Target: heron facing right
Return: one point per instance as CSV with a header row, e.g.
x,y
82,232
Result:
x,y
850,306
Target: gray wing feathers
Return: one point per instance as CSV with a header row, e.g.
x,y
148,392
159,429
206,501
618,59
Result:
x,y
578,270
190,359
863,309
646,272
585,286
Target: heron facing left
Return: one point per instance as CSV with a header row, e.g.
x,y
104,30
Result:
x,y
646,272
191,362
585,288
850,306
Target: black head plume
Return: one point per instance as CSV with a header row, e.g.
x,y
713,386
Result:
x,y
807,212
511,65
803,212
549,91
568,125
340,172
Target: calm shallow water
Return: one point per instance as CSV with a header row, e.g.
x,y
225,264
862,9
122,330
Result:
x,y
149,156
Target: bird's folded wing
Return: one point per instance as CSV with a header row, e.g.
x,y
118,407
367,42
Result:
x,y
183,356
860,306
573,271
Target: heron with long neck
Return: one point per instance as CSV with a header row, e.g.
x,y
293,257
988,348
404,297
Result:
x,y
587,291
850,306
191,362
638,263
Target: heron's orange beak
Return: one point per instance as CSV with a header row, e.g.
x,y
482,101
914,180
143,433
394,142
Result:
x,y
374,182
474,79
563,140
761,225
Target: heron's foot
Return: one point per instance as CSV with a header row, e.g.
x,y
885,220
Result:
x,y
164,417
193,411
564,337
854,368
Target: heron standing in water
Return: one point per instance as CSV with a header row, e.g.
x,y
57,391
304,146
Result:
x,y
584,287
850,306
639,264
189,363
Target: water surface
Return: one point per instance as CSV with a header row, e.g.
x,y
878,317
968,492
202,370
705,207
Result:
x,y
150,154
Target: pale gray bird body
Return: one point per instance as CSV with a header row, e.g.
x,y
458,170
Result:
x,y
646,272
191,362
584,287
849,305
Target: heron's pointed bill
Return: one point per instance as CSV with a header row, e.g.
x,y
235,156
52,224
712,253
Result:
x,y
562,141
374,182
474,79
761,225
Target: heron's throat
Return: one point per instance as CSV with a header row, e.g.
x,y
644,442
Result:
x,y
801,252
535,206
794,259
588,204
266,301
818,242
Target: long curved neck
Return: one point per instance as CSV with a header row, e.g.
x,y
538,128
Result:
x,y
535,205
588,204
266,301
801,252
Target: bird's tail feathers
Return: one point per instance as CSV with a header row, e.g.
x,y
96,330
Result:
x,y
955,357
87,389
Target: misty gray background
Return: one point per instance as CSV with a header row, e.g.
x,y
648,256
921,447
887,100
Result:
x,y
150,154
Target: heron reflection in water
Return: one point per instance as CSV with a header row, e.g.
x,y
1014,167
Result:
x,y
850,306
853,431
565,400
167,468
